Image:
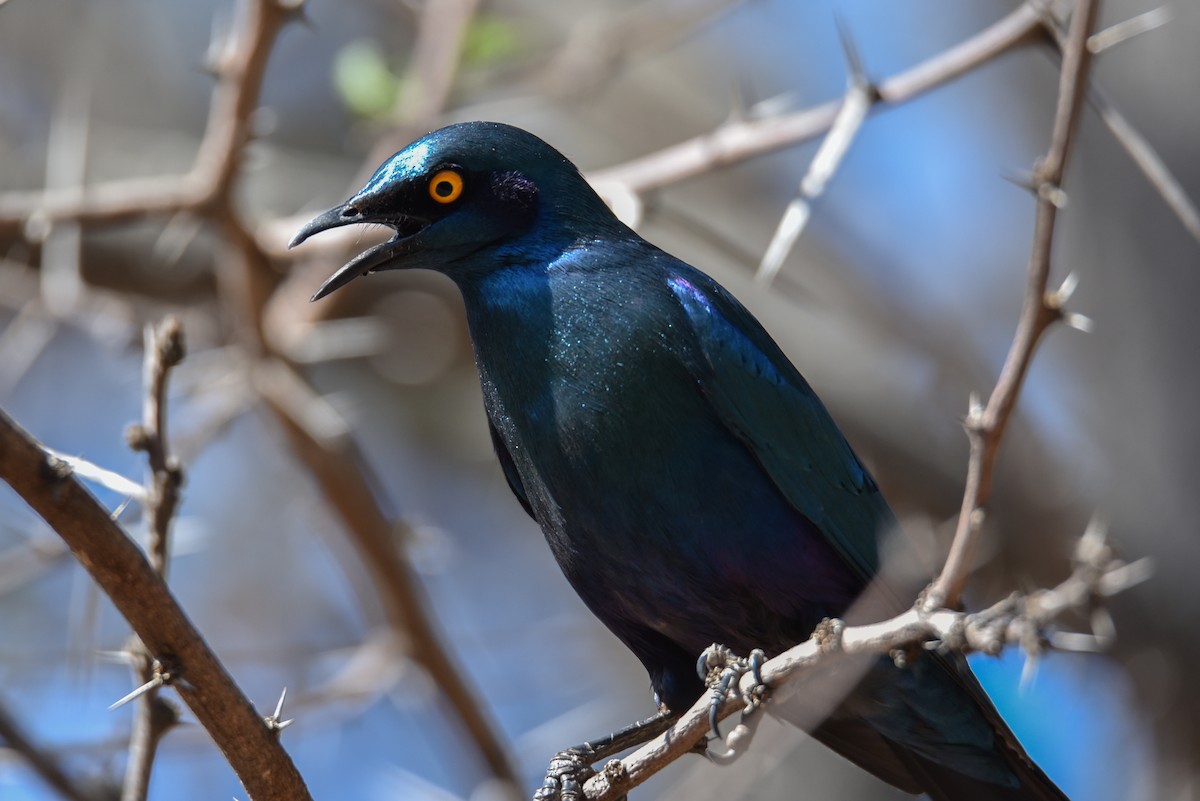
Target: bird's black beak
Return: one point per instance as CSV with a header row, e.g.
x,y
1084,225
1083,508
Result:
x,y
369,260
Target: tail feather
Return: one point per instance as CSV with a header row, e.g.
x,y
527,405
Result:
x,y
930,728
942,783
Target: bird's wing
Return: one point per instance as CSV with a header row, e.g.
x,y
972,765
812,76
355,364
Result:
x,y
765,402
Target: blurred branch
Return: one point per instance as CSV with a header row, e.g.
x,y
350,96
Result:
x,y
247,282
441,28
986,425
141,596
1135,144
1148,161
333,461
239,66
164,350
13,736
1017,620
598,45
437,53
153,716
1128,29
741,139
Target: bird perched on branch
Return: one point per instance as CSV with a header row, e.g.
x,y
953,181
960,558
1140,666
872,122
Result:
x,y
690,483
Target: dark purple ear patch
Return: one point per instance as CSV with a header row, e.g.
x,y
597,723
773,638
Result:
x,y
515,189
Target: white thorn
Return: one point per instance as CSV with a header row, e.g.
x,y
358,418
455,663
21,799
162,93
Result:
x,y
279,706
156,681
1028,672
1069,285
1080,322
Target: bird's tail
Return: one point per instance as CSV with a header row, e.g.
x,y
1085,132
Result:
x,y
930,728
943,783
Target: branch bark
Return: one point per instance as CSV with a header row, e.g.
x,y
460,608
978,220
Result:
x,y
1040,310
141,596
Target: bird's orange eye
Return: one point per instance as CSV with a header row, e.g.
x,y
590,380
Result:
x,y
445,186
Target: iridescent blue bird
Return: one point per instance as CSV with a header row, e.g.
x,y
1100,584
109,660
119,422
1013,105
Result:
x,y
690,483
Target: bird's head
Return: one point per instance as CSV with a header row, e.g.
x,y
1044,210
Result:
x,y
461,190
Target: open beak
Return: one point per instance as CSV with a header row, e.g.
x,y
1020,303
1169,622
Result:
x,y
370,260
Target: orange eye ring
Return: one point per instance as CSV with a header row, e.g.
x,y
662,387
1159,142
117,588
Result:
x,y
445,186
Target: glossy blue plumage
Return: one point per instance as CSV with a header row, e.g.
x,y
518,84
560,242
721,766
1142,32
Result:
x,y
688,480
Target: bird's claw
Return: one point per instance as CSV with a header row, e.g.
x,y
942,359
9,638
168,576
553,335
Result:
x,y
720,670
567,772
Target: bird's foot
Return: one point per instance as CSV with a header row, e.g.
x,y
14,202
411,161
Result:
x,y
721,669
571,767
565,775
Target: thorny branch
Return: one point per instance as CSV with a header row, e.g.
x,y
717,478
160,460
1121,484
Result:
x,y
985,426
741,139
247,281
1017,620
153,716
239,65
141,596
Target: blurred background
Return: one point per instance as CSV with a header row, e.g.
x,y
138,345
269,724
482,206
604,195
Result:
x,y
898,302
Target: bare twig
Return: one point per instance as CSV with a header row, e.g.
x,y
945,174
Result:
x,y
857,104
239,78
986,425
164,350
1127,29
141,596
1130,138
153,716
1148,161
66,168
108,479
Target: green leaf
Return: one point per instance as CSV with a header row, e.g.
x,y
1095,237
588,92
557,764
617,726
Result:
x,y
363,80
489,40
